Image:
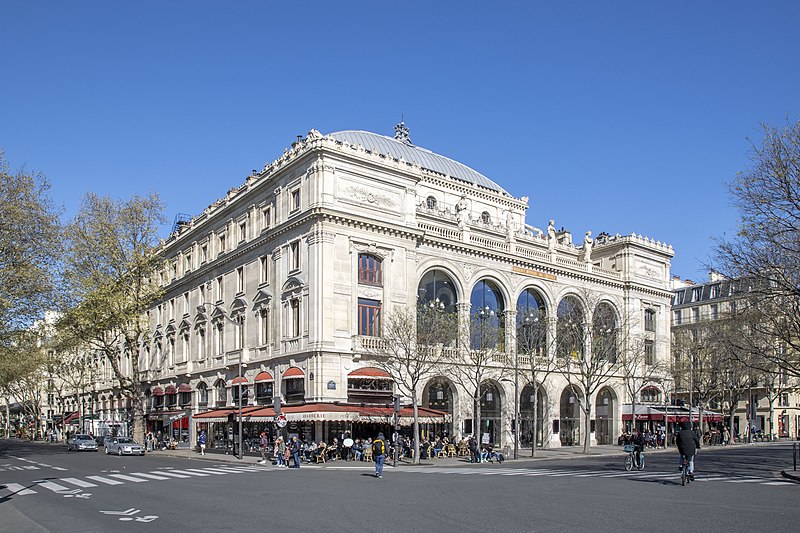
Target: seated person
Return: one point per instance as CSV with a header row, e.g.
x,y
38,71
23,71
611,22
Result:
x,y
310,452
358,450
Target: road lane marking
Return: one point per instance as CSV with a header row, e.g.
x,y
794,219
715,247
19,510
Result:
x,y
107,481
55,487
217,471
149,476
78,482
189,472
208,471
18,489
170,474
128,478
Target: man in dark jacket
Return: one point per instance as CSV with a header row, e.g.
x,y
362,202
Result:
x,y
638,445
688,443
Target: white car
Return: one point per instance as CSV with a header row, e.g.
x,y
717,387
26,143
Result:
x,y
123,446
82,442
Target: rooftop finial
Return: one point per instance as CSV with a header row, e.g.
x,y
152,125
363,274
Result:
x,y
401,133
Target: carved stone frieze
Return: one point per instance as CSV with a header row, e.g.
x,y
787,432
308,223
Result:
x,y
363,194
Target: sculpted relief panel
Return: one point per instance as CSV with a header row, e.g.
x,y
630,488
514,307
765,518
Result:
x,y
351,191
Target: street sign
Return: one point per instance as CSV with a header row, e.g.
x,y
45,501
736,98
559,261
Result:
x,y
281,421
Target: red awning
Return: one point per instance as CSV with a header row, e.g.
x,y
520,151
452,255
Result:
x,y
263,376
369,372
239,379
71,417
293,372
157,391
344,413
171,389
184,387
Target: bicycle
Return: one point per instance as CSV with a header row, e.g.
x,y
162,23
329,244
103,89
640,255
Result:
x,y
631,461
686,476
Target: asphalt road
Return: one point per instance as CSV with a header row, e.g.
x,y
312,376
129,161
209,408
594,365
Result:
x,y
46,488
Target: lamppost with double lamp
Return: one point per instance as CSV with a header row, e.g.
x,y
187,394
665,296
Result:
x,y
239,322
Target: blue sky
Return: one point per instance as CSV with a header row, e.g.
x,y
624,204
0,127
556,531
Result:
x,y
610,116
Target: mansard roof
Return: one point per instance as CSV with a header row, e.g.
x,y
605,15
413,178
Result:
x,y
414,154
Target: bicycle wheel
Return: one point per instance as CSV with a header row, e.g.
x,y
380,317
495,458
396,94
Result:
x,y
629,462
640,466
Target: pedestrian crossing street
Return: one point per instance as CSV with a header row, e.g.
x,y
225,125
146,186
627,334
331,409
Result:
x,y
66,485
577,473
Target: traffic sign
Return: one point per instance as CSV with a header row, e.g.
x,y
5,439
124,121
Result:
x,y
281,421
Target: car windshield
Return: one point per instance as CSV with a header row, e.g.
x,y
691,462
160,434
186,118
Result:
x,y
83,437
125,441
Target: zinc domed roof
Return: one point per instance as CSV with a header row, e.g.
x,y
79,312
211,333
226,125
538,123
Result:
x,y
414,154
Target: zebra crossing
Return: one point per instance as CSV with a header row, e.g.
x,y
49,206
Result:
x,y
633,475
64,485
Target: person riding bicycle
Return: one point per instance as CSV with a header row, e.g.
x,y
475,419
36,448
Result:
x,y
688,443
638,445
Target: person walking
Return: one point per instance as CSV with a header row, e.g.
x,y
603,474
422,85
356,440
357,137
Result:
x,y
296,452
262,447
379,454
201,440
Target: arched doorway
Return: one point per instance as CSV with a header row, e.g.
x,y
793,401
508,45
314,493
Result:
x,y
570,419
526,413
604,416
491,412
438,394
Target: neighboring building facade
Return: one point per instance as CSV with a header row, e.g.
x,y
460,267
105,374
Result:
x,y
291,273
694,306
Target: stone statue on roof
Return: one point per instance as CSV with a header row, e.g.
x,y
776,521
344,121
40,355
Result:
x,y
402,134
587,247
551,235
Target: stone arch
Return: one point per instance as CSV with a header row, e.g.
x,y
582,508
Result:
x,y
440,393
438,284
605,416
528,415
570,417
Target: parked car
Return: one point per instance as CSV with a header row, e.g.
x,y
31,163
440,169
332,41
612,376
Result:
x,y
82,442
123,446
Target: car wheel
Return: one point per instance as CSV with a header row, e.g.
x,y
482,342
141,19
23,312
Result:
x,y
119,452
106,449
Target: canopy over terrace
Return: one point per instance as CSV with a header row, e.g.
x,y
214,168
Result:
x,y
326,412
674,413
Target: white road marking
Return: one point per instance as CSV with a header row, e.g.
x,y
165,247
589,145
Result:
x,y
18,489
149,476
208,471
55,487
105,480
78,482
128,478
169,473
189,472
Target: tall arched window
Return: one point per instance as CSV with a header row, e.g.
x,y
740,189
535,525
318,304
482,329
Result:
x,y
604,333
370,270
570,328
531,323
222,392
487,326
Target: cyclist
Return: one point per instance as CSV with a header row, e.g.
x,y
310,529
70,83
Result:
x,y
688,443
638,444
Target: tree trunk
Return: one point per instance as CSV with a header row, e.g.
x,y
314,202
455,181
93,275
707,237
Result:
x,y
477,427
587,425
535,418
772,435
416,427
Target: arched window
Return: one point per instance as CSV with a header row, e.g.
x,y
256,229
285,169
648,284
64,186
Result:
x,y
569,328
370,270
487,326
430,203
222,392
437,287
486,218
531,323
604,333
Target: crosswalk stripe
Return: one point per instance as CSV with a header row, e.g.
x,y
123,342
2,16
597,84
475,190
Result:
x,y
189,472
128,478
208,471
18,489
101,479
784,483
78,482
148,476
239,470
216,471
170,474
55,487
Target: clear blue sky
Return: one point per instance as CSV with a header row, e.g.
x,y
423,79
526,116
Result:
x,y
610,116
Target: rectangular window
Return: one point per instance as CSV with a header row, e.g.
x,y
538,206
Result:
x,y
239,334
714,292
695,314
172,309
219,341
184,347
240,279
185,303
267,217
174,270
369,317
294,256
697,293
784,399
218,296
263,327
201,344
295,318
202,288
649,320
370,270
187,262
203,253
676,316
160,314
242,231
221,245
649,353
678,298
263,264
295,199
714,311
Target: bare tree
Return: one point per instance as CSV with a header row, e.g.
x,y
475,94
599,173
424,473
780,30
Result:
x,y
765,252
413,346
588,352
113,257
